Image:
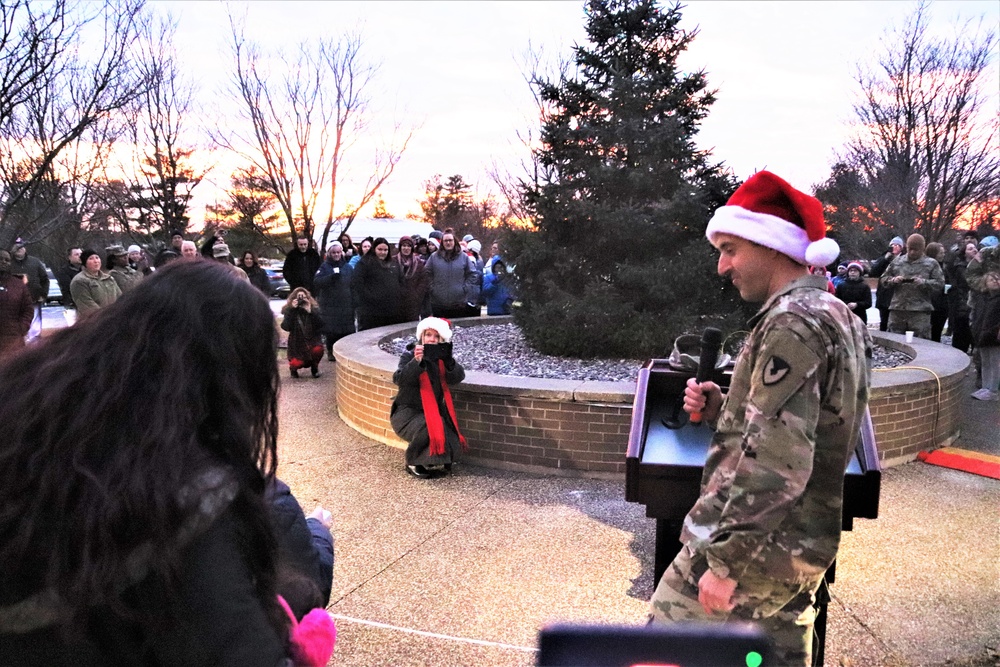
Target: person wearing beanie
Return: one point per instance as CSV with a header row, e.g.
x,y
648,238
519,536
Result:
x,y
883,293
476,298
92,288
916,279
854,291
423,412
841,275
767,525
16,308
333,293
138,261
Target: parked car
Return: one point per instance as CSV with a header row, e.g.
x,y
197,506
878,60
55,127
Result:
x,y
279,287
55,294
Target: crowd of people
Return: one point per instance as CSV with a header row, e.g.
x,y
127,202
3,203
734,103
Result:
x,y
352,287
922,288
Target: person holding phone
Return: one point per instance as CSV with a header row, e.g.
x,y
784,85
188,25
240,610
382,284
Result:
x,y
423,412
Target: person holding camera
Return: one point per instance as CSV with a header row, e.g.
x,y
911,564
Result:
x,y
916,279
423,412
304,327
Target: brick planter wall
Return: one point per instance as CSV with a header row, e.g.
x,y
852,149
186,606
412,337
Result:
x,y
578,428
917,406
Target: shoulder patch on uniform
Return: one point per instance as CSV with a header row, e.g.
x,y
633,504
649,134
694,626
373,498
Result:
x,y
775,370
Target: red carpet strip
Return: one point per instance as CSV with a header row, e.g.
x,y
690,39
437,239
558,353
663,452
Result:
x,y
977,463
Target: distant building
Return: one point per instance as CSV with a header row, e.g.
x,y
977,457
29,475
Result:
x,y
391,229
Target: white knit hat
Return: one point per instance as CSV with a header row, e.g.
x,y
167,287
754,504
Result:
x,y
441,325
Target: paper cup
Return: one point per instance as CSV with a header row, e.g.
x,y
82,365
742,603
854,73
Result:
x,y
909,336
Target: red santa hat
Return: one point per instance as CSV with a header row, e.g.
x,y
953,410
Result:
x,y
769,212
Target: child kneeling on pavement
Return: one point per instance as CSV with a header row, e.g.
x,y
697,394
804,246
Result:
x,y
423,413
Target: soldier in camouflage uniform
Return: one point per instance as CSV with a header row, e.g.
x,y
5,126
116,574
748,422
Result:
x,y
917,279
767,523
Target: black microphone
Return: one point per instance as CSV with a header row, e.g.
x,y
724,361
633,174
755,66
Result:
x,y
711,342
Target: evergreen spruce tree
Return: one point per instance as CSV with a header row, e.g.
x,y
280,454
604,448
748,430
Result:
x,y
618,265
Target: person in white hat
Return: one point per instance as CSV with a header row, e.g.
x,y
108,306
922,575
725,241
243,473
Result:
x,y
766,527
423,412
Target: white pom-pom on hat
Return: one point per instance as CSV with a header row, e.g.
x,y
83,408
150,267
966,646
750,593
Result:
x,y
769,212
822,252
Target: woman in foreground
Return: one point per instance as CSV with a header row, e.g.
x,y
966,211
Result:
x,y
137,446
423,412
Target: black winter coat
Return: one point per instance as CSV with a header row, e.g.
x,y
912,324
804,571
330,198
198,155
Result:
x,y
986,320
407,412
218,619
883,293
301,267
258,278
856,291
336,301
378,291
958,293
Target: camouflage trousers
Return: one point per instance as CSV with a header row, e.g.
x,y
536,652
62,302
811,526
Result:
x,y
784,611
917,321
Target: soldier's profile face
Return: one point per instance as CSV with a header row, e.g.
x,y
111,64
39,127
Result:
x,y
749,266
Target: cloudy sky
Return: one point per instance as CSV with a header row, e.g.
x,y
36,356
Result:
x,y
455,72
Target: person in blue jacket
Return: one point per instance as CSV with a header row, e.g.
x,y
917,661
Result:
x,y
496,290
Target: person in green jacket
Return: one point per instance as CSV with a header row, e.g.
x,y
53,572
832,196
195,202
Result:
x,y
92,288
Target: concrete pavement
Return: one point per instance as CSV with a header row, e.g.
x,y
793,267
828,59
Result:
x,y
465,570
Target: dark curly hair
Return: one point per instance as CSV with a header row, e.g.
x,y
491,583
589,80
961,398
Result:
x,y
107,421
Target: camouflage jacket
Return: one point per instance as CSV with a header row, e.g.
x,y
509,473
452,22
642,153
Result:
x,y
772,487
978,269
910,295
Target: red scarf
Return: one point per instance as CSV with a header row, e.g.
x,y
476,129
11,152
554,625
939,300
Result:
x,y
435,425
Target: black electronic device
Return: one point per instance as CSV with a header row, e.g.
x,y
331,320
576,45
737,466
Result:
x,y
678,645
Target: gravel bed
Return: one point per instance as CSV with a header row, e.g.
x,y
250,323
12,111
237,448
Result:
x,y
476,349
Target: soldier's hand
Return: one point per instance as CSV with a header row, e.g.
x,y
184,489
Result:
x,y
852,305
918,280
715,593
705,398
